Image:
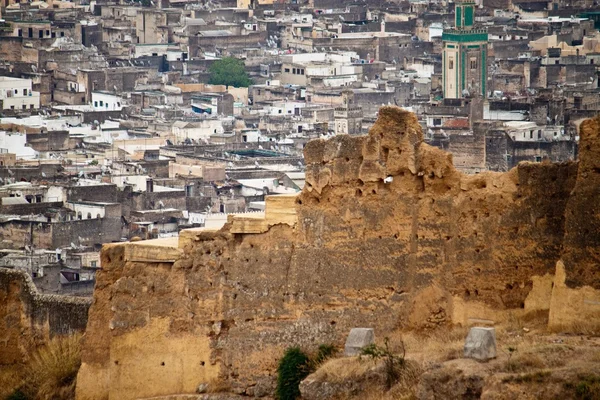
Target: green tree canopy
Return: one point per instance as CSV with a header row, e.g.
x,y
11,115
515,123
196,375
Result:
x,y
229,71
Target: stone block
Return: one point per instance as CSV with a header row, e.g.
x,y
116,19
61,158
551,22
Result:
x,y
481,344
357,339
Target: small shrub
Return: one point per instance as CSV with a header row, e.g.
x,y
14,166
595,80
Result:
x,y
53,369
393,363
293,367
510,351
586,388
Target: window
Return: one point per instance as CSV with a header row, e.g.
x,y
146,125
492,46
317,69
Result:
x,y
539,134
294,71
89,216
437,121
24,92
101,103
40,33
62,34
286,70
24,106
280,111
530,134
20,32
473,63
93,264
451,64
31,106
95,103
16,91
302,71
538,159
12,107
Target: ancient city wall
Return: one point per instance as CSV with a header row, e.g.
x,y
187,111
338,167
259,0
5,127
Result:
x,y
29,319
386,234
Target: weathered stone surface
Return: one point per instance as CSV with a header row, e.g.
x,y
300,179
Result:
x,y
29,319
480,344
576,292
452,381
430,248
357,339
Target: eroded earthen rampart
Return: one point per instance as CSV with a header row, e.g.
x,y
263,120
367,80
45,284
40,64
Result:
x,y
385,234
29,319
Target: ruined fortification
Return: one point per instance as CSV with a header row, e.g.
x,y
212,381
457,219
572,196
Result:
x,y
385,234
29,318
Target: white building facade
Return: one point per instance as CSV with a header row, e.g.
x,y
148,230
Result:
x,y
16,94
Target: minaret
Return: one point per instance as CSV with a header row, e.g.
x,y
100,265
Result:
x,y
464,57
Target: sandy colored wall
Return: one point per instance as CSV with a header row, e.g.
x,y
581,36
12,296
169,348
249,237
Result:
x,y
29,319
386,234
576,292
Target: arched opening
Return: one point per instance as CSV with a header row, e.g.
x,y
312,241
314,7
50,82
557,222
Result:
x,y
89,216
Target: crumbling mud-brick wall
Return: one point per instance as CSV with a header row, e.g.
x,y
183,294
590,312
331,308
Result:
x,y
29,319
576,291
386,234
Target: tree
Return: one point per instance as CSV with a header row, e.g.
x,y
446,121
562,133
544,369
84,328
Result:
x,y
229,71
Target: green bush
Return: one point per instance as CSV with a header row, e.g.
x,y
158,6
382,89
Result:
x,y
293,367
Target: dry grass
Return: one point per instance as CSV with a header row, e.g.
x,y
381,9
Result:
x,y
524,362
339,370
434,346
10,380
589,328
52,371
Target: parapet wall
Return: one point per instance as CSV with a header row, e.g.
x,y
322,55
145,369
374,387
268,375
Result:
x,y
386,234
29,319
